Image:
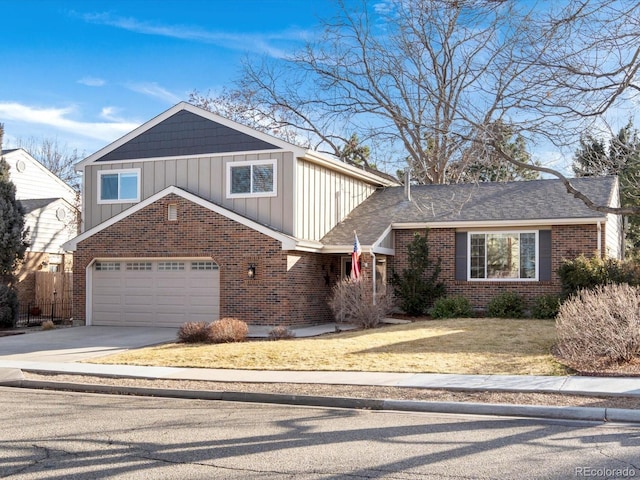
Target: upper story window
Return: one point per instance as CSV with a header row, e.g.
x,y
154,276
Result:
x,y
119,186
503,256
251,179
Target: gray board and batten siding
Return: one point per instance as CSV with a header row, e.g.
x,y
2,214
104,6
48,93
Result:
x,y
205,177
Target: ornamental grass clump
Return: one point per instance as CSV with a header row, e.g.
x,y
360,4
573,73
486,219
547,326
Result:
x,y
599,327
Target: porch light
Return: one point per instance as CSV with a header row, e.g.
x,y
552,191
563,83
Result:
x,y
251,271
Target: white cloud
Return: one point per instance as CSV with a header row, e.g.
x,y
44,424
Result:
x,y
92,82
59,119
256,42
154,90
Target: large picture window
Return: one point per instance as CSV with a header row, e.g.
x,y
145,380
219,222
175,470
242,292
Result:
x,y
119,186
255,178
503,256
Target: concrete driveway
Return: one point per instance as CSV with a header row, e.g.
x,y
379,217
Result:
x,y
75,344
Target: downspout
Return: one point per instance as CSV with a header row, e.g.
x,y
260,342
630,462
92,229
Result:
x,y
599,238
373,263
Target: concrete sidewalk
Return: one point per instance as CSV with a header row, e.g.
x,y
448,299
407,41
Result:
x,y
607,386
11,375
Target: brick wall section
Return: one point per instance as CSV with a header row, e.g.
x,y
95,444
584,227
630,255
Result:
x,y
568,241
277,296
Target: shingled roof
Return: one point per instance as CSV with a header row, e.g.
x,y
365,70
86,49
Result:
x,y
535,200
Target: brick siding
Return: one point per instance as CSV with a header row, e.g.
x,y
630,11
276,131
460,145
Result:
x,y
567,242
290,288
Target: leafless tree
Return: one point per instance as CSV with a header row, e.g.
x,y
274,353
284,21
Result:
x,y
427,79
58,159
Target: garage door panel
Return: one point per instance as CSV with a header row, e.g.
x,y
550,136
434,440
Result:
x,y
153,296
135,300
203,301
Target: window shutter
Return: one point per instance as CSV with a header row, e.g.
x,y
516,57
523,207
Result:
x,y
544,270
461,255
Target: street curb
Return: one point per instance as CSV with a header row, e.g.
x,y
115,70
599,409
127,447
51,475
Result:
x,y
595,414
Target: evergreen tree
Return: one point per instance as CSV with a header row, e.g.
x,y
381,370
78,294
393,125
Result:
x,y
12,242
619,156
418,286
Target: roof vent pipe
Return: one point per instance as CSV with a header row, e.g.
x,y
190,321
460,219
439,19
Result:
x,y
407,184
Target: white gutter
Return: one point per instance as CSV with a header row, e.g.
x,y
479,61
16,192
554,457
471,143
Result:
x,y
498,223
337,165
373,263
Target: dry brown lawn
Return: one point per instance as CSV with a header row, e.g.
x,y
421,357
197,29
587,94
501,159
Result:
x,y
462,346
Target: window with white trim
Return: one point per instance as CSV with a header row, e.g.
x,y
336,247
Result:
x,y
119,186
138,266
251,179
205,265
170,266
508,256
108,266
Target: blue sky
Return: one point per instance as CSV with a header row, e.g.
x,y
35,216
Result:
x,y
87,72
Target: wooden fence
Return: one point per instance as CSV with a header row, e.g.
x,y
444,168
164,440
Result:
x,y
54,287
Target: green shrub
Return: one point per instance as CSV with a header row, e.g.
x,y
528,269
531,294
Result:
x,y
587,273
417,287
228,330
599,327
193,332
506,305
350,302
8,306
456,306
546,306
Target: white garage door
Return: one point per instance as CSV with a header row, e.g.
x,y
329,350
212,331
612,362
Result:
x,y
159,293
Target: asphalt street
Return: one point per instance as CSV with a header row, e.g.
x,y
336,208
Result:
x,y
56,435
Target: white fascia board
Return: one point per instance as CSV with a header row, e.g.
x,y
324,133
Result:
x,y
343,248
288,242
376,248
337,165
199,155
499,223
305,246
347,249
197,111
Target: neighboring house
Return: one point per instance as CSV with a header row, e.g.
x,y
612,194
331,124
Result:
x,y
192,217
50,214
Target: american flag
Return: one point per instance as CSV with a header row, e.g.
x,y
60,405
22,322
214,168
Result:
x,y
355,259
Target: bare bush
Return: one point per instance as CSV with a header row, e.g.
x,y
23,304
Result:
x,y
48,325
228,330
599,327
193,332
351,302
281,333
